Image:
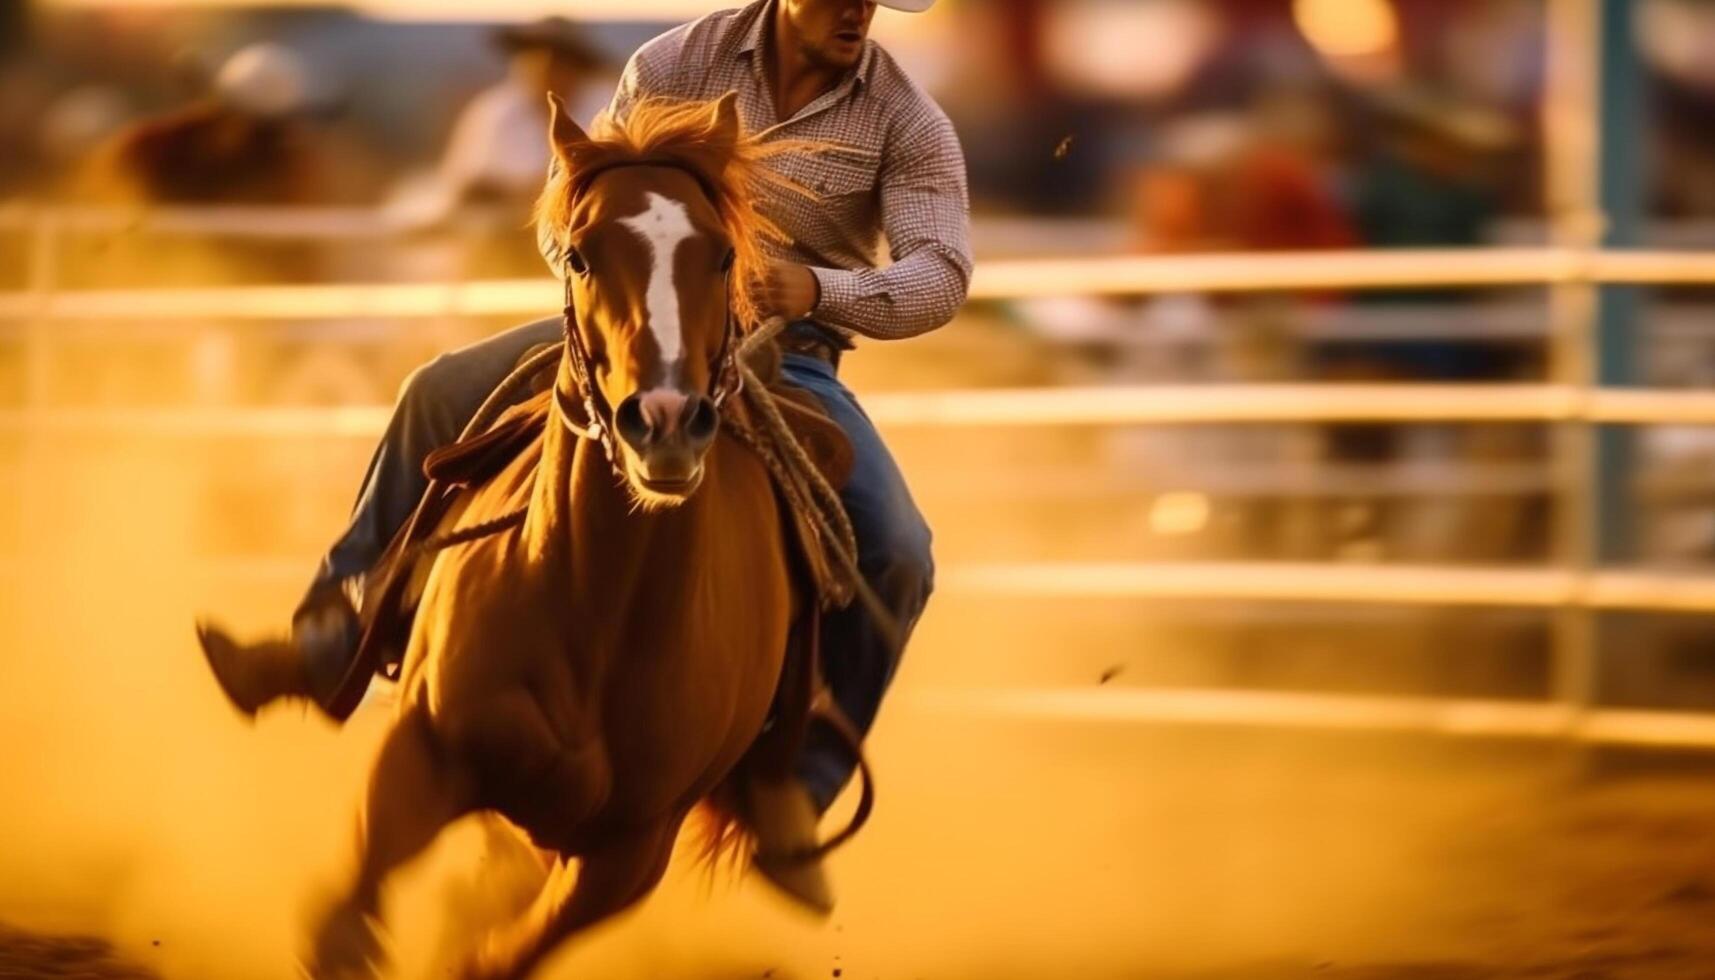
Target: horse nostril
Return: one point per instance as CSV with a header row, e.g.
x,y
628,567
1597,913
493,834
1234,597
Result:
x,y
628,419
702,418
664,415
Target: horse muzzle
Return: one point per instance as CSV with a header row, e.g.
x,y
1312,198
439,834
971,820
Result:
x,y
665,434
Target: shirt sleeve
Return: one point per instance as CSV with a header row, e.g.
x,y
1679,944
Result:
x,y
654,70
630,86
925,213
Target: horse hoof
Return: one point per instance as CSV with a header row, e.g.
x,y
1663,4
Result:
x,y
805,882
783,817
487,967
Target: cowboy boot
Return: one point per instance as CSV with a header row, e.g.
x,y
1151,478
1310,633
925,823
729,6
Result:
x,y
308,664
783,818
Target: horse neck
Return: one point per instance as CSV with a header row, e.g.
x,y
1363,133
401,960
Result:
x,y
584,519
571,468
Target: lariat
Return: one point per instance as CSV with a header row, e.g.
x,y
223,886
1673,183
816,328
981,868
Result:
x,y
803,484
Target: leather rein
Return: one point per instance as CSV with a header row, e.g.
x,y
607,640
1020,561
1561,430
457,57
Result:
x,y
598,415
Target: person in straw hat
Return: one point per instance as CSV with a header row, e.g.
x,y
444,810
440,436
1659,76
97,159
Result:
x,y
244,143
499,145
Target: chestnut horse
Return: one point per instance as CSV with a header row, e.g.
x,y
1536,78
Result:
x,y
595,671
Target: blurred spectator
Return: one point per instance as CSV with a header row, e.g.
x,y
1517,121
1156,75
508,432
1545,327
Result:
x,y
1268,179
262,136
1430,184
498,152
248,143
1684,154
1176,201
1285,185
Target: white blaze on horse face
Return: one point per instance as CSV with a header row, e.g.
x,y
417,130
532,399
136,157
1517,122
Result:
x,y
662,226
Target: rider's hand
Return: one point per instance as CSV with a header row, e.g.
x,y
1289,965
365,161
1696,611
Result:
x,y
789,290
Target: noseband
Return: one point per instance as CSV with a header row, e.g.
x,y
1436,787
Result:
x,y
727,380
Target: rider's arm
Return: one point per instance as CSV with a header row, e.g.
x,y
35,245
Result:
x,y
925,213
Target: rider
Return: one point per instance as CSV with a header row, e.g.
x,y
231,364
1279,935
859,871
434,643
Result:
x,y
803,69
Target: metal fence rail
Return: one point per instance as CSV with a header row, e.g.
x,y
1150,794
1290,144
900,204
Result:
x,y
998,280
1328,713
1216,404
1294,582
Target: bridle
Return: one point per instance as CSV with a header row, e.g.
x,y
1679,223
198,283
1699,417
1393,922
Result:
x,y
598,426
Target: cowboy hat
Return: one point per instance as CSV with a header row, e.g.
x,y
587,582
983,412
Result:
x,y
265,79
556,34
909,6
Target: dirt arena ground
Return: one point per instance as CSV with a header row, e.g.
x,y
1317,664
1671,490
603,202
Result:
x,y
1230,856
1002,849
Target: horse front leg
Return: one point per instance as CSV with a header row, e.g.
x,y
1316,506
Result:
x,y
607,881
413,794
511,873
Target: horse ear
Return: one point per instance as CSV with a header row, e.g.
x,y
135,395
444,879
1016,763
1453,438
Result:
x,y
565,136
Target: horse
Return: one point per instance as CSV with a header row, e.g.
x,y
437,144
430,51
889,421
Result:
x,y
602,665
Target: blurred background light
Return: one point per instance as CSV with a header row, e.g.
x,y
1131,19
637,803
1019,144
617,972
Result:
x,y
1678,37
1348,28
1358,38
1179,513
1127,47
451,10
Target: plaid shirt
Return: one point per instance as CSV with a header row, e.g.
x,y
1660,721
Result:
x,y
898,172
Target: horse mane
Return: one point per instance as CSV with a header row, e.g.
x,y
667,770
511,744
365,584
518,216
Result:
x,y
737,176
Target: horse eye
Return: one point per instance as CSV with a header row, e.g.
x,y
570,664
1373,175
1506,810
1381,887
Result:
x,y
727,260
575,261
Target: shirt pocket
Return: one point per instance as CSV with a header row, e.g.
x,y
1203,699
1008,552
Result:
x,y
841,172
839,223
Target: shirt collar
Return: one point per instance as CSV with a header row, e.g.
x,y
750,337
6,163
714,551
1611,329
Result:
x,y
865,60
762,16
751,42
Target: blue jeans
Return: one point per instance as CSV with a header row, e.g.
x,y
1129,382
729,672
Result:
x,y
440,397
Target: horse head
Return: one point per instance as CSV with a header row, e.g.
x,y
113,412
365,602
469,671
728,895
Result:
x,y
652,216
